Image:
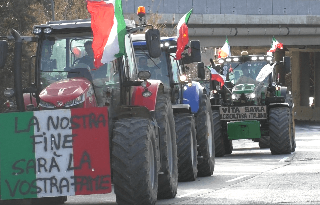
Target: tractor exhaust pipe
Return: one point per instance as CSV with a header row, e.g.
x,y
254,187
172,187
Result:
x,y
17,70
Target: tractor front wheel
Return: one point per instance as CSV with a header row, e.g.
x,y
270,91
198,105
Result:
x,y
168,179
187,147
280,130
205,138
135,156
218,138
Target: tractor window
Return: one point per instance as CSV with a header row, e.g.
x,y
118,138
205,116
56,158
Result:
x,y
130,55
175,69
61,54
246,72
157,66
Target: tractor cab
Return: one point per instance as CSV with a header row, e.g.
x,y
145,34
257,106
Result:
x,y
247,78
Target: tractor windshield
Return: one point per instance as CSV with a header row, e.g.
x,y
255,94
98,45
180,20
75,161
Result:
x,y
250,72
61,55
158,67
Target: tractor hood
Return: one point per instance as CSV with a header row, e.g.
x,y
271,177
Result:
x,y
243,88
61,92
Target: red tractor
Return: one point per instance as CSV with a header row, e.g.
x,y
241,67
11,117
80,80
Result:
x,y
118,103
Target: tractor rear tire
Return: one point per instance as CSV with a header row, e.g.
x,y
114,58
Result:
x,y
293,132
187,147
264,142
168,180
135,156
280,130
205,138
228,146
218,138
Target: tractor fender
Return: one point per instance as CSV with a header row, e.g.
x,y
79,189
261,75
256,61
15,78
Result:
x,y
273,105
192,94
148,102
181,108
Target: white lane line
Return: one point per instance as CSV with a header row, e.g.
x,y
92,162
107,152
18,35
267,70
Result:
x,y
285,159
193,192
235,179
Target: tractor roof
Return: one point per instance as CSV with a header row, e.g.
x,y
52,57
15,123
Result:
x,y
72,26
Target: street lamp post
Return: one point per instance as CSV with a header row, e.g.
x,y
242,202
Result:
x,y
52,9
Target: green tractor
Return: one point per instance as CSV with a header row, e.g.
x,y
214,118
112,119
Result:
x,y
251,105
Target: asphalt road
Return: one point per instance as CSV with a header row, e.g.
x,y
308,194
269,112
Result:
x,y
251,176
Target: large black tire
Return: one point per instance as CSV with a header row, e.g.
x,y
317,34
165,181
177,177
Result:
x,y
205,138
187,147
49,200
264,142
218,138
168,180
135,156
228,146
293,132
280,130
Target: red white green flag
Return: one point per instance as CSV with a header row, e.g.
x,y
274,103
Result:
x,y
182,34
54,153
225,50
109,30
275,45
216,76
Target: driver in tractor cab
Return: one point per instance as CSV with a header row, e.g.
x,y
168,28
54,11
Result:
x,y
98,74
47,64
89,58
247,76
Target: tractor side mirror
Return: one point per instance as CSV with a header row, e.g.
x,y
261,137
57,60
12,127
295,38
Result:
x,y
153,43
3,53
201,71
195,51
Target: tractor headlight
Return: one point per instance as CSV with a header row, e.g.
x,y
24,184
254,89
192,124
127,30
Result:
x,y
183,78
233,96
250,95
9,92
146,93
45,104
74,102
37,30
47,30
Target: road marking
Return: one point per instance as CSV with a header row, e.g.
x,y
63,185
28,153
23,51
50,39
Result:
x,y
285,159
193,192
235,179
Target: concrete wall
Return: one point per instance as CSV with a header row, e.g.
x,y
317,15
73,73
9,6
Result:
x,y
239,7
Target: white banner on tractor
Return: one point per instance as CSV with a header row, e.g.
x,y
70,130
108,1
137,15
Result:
x,y
243,113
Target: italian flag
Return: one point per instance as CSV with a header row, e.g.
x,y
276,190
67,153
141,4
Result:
x,y
109,30
225,50
54,153
275,45
182,34
216,76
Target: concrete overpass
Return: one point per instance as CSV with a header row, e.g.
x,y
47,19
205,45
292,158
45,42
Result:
x,y
250,25
245,22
